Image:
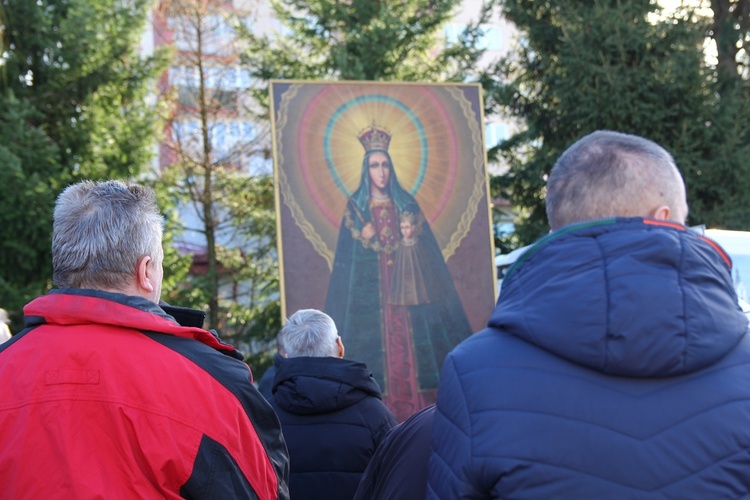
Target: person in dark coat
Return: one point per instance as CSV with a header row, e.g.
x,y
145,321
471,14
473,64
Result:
x,y
616,363
330,408
398,470
266,381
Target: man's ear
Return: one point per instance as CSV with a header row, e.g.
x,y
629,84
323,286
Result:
x,y
662,213
341,347
143,274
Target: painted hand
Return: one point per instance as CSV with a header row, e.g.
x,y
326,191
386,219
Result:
x,y
368,231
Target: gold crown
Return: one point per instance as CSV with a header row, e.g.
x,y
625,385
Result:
x,y
373,138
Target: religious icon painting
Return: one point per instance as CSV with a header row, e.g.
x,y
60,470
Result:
x,y
384,222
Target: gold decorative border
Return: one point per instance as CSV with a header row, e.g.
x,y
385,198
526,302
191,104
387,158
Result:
x,y
297,213
479,176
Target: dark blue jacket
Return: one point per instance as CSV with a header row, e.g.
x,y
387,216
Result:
x,y
333,419
615,365
266,381
398,470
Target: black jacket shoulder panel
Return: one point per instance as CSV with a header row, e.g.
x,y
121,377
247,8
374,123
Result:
x,y
212,476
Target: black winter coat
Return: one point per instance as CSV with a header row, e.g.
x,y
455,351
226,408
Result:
x,y
333,419
266,381
398,470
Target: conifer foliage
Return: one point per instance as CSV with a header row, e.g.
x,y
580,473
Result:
x,y
367,40
583,65
73,105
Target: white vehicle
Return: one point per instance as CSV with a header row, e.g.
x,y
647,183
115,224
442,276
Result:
x,y
503,263
737,245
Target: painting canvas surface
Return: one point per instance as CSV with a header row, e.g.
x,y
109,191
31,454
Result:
x,y
384,222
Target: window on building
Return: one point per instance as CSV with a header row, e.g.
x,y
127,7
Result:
x,y
452,32
178,131
244,82
247,131
186,96
218,138
213,78
494,134
183,131
231,79
234,133
491,38
175,75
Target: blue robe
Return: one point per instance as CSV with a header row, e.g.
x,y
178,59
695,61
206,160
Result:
x,y
358,294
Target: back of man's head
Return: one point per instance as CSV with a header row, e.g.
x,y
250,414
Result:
x,y
610,174
100,231
310,332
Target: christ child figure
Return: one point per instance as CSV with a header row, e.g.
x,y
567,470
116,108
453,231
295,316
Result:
x,y
411,282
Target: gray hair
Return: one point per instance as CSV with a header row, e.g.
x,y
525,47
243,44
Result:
x,y
310,332
280,343
611,174
100,231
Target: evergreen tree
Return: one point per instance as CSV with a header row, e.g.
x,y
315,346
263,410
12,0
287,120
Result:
x,y
28,166
730,27
724,188
72,105
367,40
594,64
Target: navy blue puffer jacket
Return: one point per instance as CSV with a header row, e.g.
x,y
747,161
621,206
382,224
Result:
x,y
333,419
615,365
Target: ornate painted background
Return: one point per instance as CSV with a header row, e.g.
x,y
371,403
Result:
x,y
439,158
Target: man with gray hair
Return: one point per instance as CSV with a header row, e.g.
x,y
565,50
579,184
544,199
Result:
x,y
105,394
615,363
330,409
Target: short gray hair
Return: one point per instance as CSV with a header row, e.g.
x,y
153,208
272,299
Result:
x,y
280,344
310,332
100,230
610,174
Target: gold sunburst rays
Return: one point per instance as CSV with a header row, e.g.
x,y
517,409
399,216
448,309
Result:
x,y
432,148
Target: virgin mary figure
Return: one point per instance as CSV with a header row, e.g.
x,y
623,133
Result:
x,y
390,294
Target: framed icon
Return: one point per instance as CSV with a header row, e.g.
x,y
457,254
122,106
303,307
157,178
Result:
x,y
384,221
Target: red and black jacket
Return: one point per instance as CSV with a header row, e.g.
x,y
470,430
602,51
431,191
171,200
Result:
x,y
107,395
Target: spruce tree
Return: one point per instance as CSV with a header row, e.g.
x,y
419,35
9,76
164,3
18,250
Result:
x,y
583,65
375,40
72,105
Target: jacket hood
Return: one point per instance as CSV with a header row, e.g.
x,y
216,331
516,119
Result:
x,y
308,386
632,297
